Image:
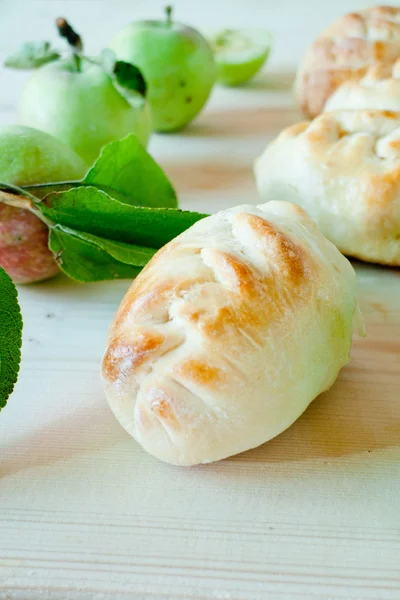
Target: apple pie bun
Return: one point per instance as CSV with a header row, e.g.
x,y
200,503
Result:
x,y
344,52
379,89
229,333
343,168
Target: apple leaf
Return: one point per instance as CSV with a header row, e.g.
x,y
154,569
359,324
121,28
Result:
x,y
127,76
85,261
10,337
110,224
130,254
126,170
32,55
91,210
130,77
95,237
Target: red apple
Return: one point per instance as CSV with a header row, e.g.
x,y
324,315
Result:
x,y
30,156
24,254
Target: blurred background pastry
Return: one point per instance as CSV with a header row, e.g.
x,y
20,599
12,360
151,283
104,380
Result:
x,y
344,52
378,89
343,168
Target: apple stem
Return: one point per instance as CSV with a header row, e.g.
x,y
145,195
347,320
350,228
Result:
x,y
74,40
168,12
78,61
37,189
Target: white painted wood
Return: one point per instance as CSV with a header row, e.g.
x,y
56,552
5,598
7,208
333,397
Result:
x,y
85,513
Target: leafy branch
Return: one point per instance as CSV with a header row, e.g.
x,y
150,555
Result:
x,y
111,223
127,78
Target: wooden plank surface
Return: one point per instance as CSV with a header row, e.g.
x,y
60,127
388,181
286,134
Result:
x,y
86,514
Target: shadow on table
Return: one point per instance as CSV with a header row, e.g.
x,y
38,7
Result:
x,y
360,413
85,431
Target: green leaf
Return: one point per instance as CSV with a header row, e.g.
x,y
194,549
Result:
x,y
10,337
83,260
129,254
90,210
32,55
125,170
41,190
128,76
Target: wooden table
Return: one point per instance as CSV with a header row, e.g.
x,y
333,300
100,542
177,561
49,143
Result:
x,y
85,513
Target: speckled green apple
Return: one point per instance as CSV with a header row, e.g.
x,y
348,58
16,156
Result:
x,y
83,108
178,65
29,156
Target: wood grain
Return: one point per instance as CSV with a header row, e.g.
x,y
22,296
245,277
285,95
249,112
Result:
x,y
86,514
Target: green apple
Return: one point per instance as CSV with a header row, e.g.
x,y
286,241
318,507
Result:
x,y
29,156
240,54
83,106
178,66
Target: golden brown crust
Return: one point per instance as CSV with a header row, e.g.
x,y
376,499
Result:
x,y
395,145
382,180
384,187
144,347
200,372
344,169
390,114
163,407
249,319
149,299
290,259
378,89
381,21
242,285
344,52
237,276
296,129
319,84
